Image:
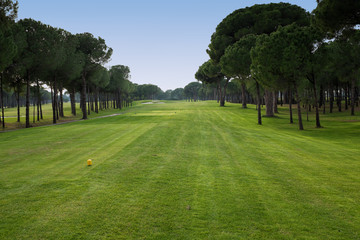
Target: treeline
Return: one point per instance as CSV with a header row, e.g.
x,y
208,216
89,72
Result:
x,y
36,57
279,53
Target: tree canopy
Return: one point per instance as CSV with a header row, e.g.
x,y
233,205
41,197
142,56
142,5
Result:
x,y
334,15
257,19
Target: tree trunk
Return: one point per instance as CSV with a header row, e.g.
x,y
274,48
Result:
x,y
107,102
223,92
92,102
18,103
99,99
269,103
316,101
346,97
321,97
301,127
353,82
61,101
72,101
54,103
275,101
34,108
96,99
338,98
38,100
324,102
27,125
243,95
119,100
331,100
41,113
88,96
83,97
57,106
307,113
2,100
258,102
290,106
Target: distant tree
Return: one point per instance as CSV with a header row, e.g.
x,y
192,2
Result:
x,y
177,94
166,95
119,74
103,82
234,91
210,73
191,90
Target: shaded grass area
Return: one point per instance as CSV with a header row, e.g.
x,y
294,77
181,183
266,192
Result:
x,y
11,115
182,171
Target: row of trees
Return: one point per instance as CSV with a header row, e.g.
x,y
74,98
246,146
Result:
x,y
35,58
33,54
273,48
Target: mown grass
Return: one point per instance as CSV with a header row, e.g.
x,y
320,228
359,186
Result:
x,y
182,171
11,116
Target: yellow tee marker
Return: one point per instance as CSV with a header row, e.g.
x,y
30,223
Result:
x,y
89,162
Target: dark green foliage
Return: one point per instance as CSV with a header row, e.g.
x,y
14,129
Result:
x,y
30,56
280,60
70,70
8,11
191,91
208,72
236,61
177,94
345,53
95,52
258,19
118,75
94,49
34,53
147,91
8,47
333,15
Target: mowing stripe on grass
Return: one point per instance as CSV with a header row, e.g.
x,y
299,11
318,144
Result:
x,y
181,171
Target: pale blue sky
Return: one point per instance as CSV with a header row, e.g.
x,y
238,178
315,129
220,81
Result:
x,y
162,41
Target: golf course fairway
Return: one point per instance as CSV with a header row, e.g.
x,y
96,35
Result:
x,y
182,170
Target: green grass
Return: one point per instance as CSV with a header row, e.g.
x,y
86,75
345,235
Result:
x,y
11,116
182,171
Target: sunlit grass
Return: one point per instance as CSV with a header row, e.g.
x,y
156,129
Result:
x,y
182,171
